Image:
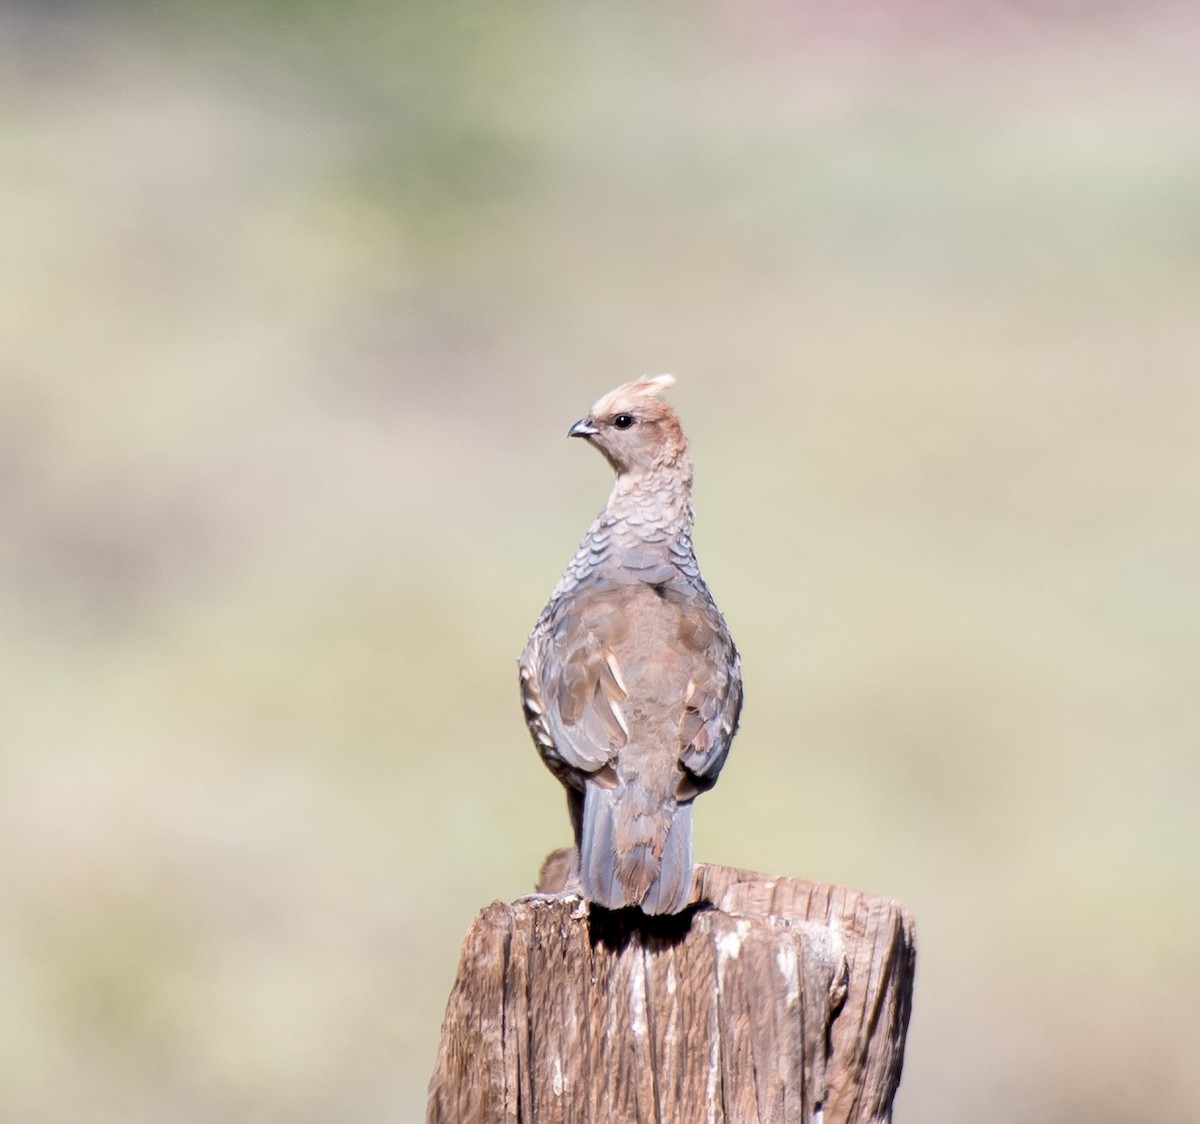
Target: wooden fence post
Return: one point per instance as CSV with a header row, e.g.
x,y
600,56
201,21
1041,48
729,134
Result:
x,y
769,1000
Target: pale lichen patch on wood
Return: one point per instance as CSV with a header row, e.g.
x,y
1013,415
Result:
x,y
637,1004
785,957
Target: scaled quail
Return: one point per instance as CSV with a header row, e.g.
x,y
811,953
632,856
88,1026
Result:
x,y
630,680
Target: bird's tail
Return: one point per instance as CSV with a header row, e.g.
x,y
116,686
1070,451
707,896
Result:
x,y
634,850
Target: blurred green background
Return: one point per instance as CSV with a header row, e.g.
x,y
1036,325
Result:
x,y
296,305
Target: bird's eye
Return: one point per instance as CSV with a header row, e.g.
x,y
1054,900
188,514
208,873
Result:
x,y
623,421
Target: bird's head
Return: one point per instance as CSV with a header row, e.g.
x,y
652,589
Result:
x,y
633,428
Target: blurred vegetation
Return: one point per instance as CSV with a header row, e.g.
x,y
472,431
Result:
x,y
298,302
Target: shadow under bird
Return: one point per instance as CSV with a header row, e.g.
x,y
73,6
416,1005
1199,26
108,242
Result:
x,y
630,680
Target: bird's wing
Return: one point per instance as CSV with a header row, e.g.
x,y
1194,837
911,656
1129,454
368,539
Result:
x,y
572,685
714,695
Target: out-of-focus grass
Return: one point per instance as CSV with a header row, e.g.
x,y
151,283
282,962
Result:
x,y
297,304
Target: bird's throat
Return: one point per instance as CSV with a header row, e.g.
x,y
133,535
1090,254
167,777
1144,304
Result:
x,y
658,500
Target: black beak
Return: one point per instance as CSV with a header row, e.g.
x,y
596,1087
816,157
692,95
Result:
x,y
582,428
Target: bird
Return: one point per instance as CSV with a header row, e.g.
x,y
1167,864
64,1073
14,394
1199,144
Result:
x,y
630,681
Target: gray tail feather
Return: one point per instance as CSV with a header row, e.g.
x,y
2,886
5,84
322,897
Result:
x,y
670,891
598,851
600,870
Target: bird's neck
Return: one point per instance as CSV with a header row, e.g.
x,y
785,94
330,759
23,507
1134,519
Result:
x,y
658,499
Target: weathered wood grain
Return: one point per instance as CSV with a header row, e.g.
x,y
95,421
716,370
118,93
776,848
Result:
x,y
769,1000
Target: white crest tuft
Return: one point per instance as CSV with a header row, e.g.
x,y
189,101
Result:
x,y
659,383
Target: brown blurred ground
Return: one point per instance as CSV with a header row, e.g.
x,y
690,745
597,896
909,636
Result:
x,y
297,302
